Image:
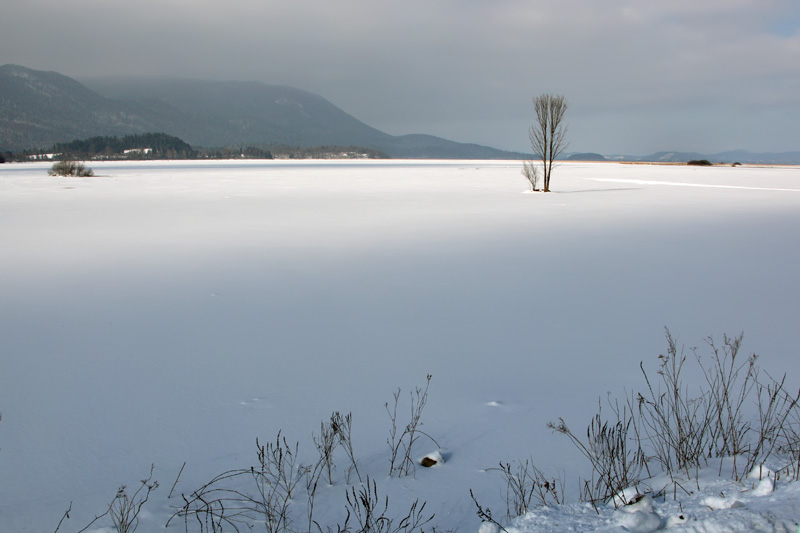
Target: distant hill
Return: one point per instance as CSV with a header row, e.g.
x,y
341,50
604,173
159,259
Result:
x,y
586,156
42,108
743,156
39,109
733,156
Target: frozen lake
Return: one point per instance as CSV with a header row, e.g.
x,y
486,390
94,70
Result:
x,y
174,311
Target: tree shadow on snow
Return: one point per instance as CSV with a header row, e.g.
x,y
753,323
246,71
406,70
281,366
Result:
x,y
600,190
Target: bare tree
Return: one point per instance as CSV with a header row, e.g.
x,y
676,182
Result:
x,y
547,135
531,173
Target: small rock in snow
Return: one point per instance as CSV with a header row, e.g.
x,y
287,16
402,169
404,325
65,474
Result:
x,y
432,459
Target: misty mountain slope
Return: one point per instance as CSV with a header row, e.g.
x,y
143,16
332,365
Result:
x,y
431,147
247,111
39,109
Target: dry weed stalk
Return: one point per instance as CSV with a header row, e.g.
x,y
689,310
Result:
x,y
527,486
737,413
401,459
368,511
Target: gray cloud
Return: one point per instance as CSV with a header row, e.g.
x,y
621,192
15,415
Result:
x,y
640,76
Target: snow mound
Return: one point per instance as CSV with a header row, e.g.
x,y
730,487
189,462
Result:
x,y
639,516
488,527
720,502
764,487
717,506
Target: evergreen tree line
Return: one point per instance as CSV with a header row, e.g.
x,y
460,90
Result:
x,y
142,146
163,146
291,152
234,152
327,152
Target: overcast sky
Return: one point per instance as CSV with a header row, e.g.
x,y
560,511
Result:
x,y
640,75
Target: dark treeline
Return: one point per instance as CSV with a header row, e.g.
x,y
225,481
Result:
x,y
143,146
327,152
163,146
234,152
290,152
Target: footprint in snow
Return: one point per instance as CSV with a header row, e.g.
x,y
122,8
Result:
x,y
256,403
499,404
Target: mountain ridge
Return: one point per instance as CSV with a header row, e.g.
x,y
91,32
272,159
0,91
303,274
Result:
x,y
729,156
40,108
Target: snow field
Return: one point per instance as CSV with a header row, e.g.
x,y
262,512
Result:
x,y
170,312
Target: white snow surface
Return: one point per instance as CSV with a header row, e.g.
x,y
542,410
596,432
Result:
x,y
709,505
170,312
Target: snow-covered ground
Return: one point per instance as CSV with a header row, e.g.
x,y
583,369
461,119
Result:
x,y
163,313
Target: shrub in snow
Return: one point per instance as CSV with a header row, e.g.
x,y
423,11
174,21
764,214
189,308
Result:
x,y
527,486
125,509
738,413
370,514
70,168
737,416
280,491
336,434
614,452
531,173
